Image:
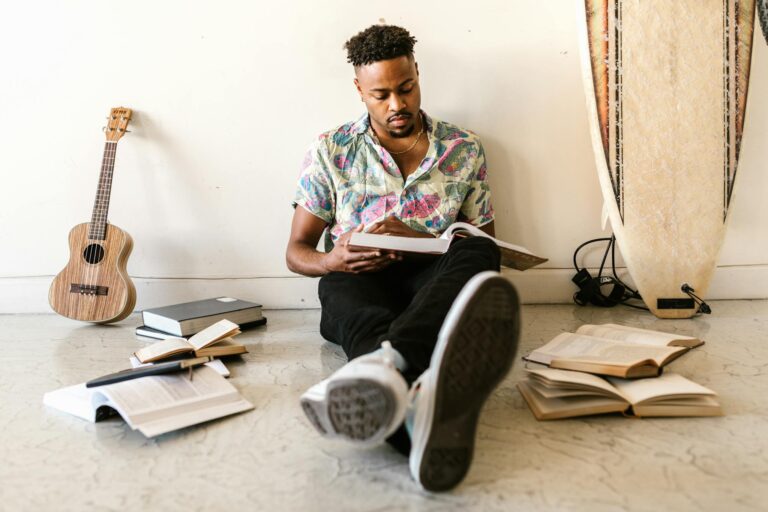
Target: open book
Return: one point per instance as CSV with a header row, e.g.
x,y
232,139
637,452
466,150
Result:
x,y
613,350
154,405
512,256
553,394
214,341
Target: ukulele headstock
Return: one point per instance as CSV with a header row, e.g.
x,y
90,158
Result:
x,y
117,123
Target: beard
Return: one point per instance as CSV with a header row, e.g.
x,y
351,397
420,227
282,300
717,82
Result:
x,y
402,133
405,131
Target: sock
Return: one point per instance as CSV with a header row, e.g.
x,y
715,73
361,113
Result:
x,y
400,363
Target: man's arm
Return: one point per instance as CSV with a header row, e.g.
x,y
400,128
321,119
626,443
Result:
x,y
302,257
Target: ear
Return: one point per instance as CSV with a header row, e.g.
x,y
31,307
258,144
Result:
x,y
359,90
417,67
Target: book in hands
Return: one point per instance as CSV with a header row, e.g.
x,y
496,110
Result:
x,y
154,405
214,341
554,394
191,317
512,256
613,350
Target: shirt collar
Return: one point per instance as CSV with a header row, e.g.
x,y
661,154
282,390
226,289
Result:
x,y
363,125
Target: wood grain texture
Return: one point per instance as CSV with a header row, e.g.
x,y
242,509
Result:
x,y
667,132
110,272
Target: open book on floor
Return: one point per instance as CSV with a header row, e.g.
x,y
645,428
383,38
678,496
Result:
x,y
512,256
214,341
154,405
613,350
553,394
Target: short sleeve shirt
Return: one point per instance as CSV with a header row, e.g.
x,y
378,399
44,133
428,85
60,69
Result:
x,y
348,179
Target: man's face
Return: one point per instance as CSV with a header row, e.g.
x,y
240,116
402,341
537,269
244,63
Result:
x,y
390,90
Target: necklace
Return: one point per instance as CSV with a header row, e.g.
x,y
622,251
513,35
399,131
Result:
x,y
412,145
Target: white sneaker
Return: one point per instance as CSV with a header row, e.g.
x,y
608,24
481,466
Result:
x,y
475,350
363,402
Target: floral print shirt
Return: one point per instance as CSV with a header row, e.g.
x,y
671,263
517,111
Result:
x,y
349,179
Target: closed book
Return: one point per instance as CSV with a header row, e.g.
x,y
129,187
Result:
x,y
149,332
191,317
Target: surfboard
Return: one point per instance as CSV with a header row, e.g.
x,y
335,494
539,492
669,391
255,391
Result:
x,y
666,84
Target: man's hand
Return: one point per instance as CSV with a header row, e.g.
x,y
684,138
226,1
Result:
x,y
346,258
395,227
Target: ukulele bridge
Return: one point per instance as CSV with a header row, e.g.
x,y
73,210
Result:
x,y
88,289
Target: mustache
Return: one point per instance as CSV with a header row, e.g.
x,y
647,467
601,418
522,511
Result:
x,y
399,114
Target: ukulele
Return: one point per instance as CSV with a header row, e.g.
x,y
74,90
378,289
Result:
x,y
95,286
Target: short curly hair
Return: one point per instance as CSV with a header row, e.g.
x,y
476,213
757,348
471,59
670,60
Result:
x,y
379,42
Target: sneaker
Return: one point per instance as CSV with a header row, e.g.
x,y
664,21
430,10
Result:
x,y
475,350
363,402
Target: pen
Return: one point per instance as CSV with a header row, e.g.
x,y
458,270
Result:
x,y
146,371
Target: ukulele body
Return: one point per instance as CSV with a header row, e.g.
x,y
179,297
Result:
x,y
95,286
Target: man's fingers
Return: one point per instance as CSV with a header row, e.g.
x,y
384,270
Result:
x,y
372,264
366,254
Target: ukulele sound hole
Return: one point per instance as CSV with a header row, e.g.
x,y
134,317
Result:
x,y
93,254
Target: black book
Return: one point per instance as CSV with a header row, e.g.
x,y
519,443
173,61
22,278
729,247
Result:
x,y
191,317
157,334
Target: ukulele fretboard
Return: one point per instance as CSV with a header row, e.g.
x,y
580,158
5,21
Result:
x,y
98,226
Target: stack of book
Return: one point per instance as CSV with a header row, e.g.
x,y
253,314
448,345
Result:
x,y
183,320
613,368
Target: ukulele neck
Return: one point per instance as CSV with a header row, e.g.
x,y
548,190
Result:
x,y
98,227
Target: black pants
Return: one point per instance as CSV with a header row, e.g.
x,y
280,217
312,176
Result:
x,y
404,303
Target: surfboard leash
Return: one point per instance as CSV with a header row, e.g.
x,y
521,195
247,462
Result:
x,y
590,288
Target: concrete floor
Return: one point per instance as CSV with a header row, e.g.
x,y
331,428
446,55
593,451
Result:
x,y
271,459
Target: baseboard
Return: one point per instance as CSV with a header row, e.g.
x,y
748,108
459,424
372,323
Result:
x,y
536,286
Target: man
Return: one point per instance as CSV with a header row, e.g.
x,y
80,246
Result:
x,y
445,326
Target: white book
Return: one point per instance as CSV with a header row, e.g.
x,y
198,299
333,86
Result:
x,y
154,405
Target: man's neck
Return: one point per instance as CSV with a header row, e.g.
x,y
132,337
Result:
x,y
387,140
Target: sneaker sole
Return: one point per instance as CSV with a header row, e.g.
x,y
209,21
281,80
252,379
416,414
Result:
x,y
474,360
359,410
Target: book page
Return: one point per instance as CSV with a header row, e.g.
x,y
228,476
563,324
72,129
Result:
x,y
151,398
632,334
581,347
669,385
161,349
75,400
475,231
555,408
210,335
567,379
399,243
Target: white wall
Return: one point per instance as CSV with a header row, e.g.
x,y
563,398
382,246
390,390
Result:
x,y
227,96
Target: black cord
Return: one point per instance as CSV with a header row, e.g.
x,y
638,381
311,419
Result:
x,y
590,287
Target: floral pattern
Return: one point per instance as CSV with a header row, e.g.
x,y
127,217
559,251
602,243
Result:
x,y
348,179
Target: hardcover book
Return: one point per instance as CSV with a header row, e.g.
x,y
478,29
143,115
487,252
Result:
x,y
214,341
554,394
154,405
613,350
191,317
149,332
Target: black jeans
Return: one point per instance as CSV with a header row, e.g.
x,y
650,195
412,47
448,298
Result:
x,y
405,303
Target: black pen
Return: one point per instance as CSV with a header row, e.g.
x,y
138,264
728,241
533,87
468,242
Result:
x,y
146,371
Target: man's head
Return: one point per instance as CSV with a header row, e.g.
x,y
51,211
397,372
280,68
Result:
x,y
387,77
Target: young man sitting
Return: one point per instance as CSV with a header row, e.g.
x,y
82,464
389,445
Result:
x,y
446,327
